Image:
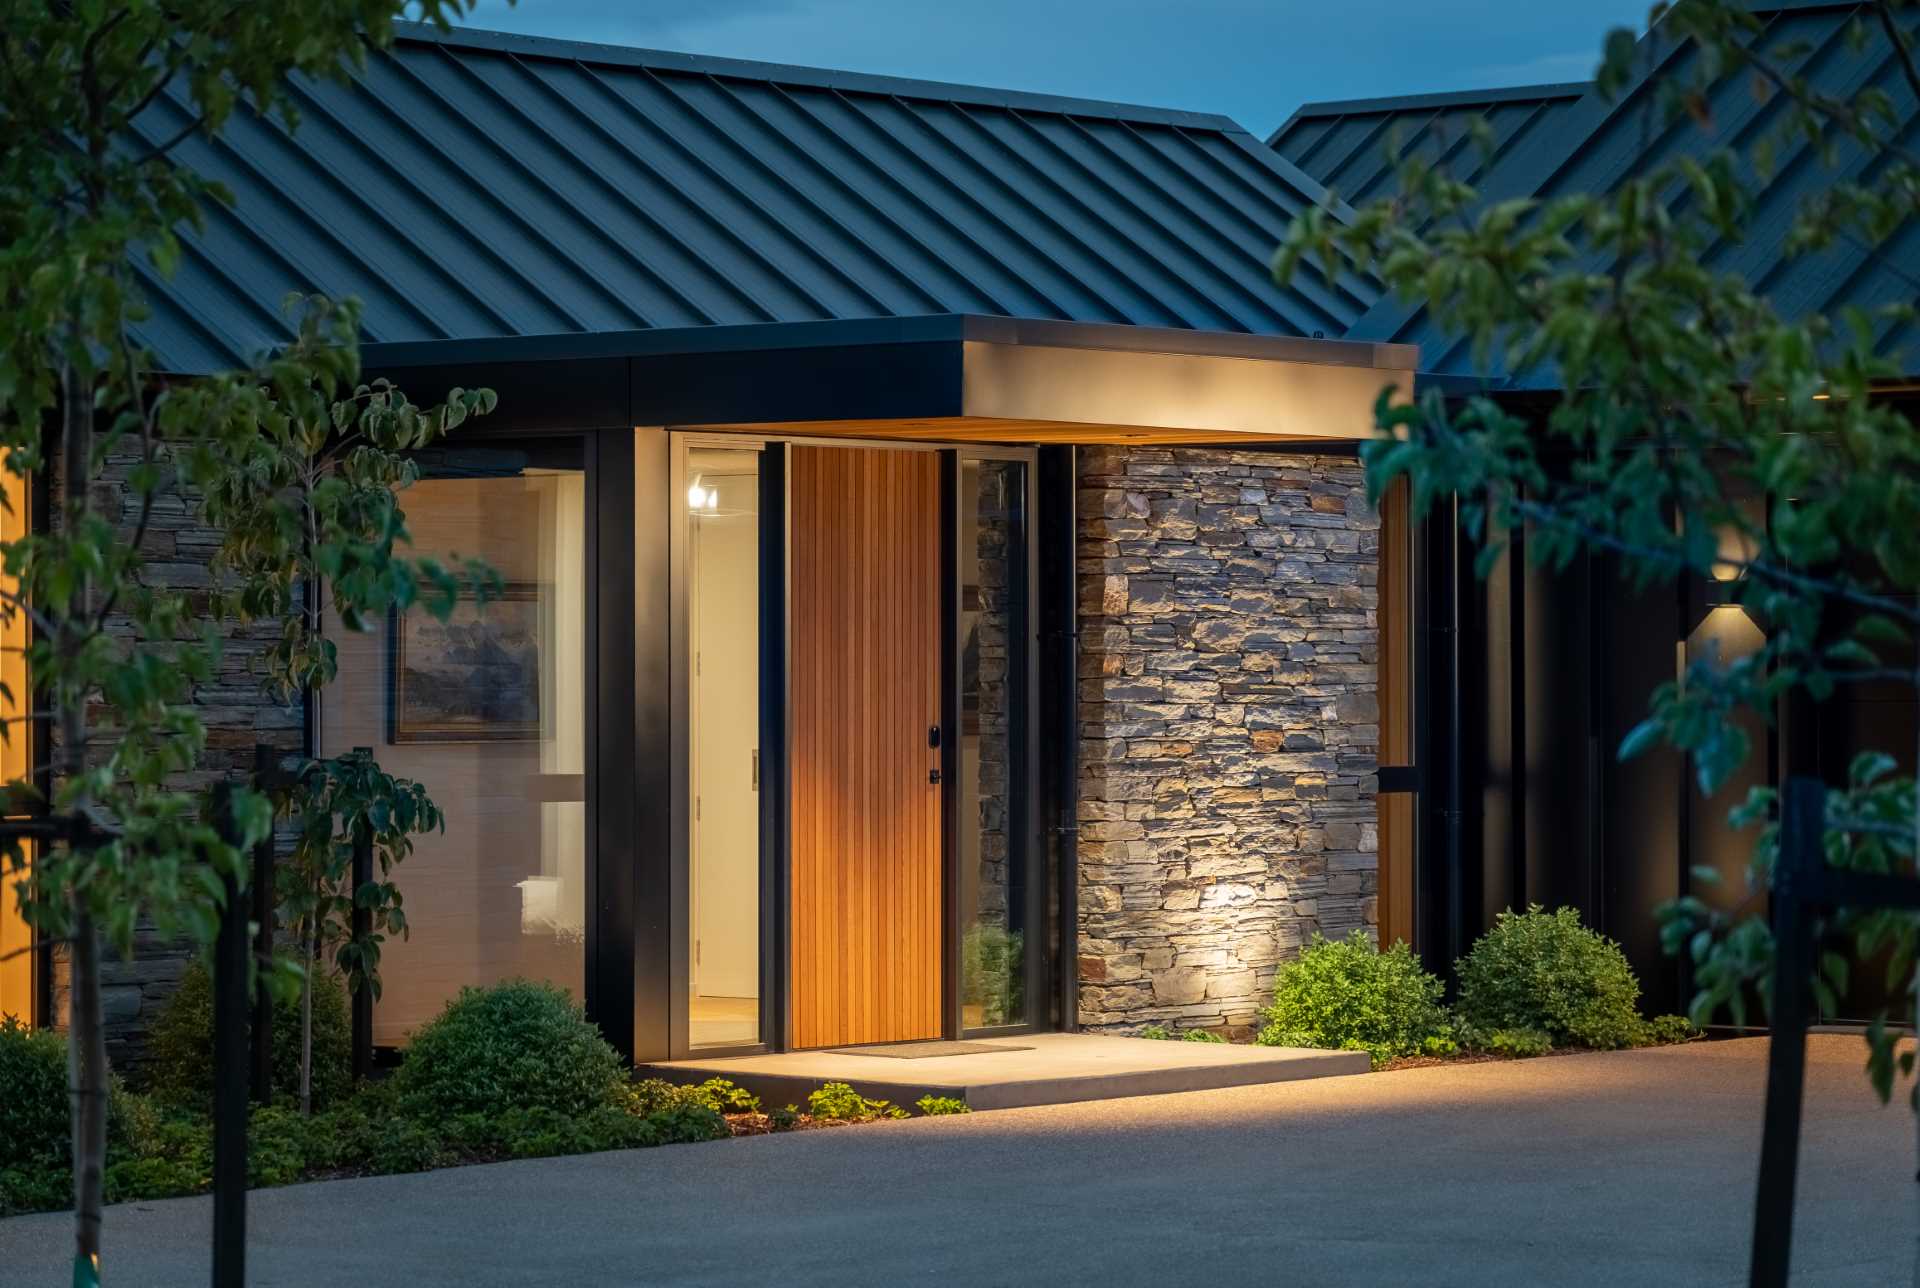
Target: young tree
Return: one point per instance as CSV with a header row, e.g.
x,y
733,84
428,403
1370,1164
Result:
x,y
87,185
308,507
1685,391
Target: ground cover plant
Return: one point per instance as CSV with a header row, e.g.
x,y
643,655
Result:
x,y
512,1071
1161,1033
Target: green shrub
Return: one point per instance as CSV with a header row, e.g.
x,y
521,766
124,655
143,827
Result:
x,y
785,1118
1665,1030
1520,1044
401,1145
42,1187
34,1114
1545,971
936,1106
180,1072
1345,995
686,1124
1161,1033
721,1096
644,1097
992,974
839,1102
135,1179
35,1110
517,1045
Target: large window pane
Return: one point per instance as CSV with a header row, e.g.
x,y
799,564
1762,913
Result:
x,y
723,709
993,852
16,963
488,711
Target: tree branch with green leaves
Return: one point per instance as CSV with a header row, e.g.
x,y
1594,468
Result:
x,y
1696,434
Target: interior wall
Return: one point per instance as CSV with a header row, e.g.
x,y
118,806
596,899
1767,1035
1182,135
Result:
x,y
501,893
724,716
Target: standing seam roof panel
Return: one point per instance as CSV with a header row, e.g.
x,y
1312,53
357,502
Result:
x,y
1608,147
472,185
917,218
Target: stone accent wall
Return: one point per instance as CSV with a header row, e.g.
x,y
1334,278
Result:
x,y
1229,723
237,712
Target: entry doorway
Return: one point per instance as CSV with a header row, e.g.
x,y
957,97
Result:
x,y
854,668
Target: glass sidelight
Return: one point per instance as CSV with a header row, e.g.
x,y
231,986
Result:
x,y
724,779
994,852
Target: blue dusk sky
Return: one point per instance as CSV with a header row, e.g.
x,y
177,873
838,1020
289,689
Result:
x,y
1254,60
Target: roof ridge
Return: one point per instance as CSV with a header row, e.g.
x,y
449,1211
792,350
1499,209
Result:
x,y
548,47
1436,98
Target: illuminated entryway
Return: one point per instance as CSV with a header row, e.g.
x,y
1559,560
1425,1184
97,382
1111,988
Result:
x,y
853,720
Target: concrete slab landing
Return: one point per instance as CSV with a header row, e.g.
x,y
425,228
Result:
x,y
1032,1069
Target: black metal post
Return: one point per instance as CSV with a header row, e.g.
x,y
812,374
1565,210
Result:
x,y
1801,857
1059,697
362,928
229,1071
264,766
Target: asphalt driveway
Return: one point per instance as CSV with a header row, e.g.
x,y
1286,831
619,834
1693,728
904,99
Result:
x,y
1627,1168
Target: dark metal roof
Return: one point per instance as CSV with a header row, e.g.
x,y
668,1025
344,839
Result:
x,y
1351,146
1598,143
480,185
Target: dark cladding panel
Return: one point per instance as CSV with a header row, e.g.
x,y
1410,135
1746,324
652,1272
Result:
x,y
1554,647
1641,841
1500,832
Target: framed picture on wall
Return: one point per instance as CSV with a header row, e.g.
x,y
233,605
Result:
x,y
472,678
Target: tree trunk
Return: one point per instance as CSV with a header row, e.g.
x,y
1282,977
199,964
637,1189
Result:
x,y
310,944
87,1084
86,1019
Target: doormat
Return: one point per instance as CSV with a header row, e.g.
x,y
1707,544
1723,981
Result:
x,y
921,1050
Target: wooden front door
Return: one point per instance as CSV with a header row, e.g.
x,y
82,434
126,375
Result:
x,y
864,597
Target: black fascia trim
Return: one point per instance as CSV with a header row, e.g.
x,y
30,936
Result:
x,y
534,397
846,332
841,382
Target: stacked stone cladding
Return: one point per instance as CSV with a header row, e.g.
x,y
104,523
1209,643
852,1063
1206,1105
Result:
x,y
178,550
1229,726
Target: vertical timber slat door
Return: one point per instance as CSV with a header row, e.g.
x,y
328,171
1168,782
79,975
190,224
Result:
x,y
864,591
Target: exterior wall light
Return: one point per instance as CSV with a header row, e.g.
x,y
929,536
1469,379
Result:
x,y
1736,550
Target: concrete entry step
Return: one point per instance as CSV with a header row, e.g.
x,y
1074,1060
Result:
x,y
1032,1069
